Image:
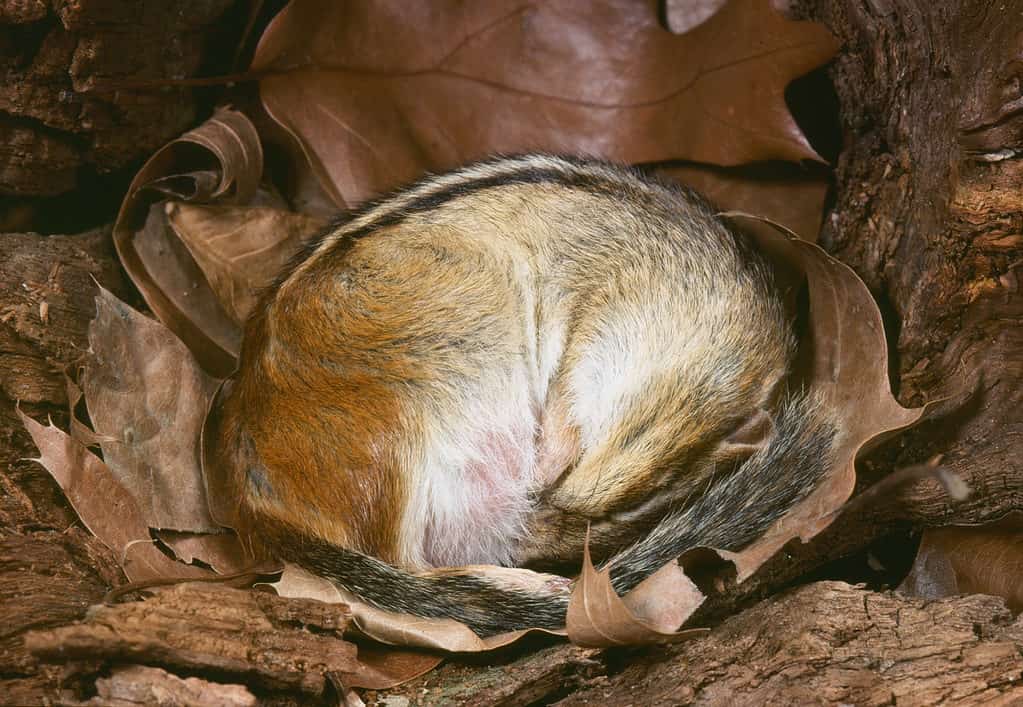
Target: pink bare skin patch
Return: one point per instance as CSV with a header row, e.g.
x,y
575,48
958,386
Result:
x,y
479,510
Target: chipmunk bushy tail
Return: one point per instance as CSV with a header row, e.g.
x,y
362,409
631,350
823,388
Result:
x,y
735,509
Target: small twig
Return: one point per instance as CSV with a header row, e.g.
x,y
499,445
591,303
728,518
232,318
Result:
x,y
255,572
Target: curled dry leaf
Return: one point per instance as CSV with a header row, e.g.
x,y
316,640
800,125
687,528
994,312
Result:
x,y
239,248
80,431
378,93
383,667
221,159
105,507
219,490
147,397
844,356
976,560
653,612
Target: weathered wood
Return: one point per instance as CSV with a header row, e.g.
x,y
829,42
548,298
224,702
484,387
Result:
x,y
830,643
47,293
253,637
140,685
525,677
825,643
930,214
47,578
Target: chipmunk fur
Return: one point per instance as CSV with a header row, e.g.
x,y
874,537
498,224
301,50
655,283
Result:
x,y
484,365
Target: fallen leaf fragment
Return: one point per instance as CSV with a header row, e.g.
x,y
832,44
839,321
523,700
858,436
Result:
x,y
147,398
379,93
682,15
970,560
384,667
81,432
240,249
221,551
105,507
220,489
653,612
222,160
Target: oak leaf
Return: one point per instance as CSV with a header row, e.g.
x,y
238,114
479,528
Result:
x,y
147,399
379,93
105,507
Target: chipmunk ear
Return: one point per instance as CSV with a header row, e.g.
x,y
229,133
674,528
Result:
x,y
750,435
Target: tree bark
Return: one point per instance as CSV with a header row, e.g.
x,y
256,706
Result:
x,y
265,641
824,643
69,71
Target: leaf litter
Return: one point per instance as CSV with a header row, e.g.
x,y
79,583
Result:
x,y
239,249
374,96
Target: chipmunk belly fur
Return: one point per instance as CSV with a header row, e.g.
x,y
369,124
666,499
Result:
x,y
480,367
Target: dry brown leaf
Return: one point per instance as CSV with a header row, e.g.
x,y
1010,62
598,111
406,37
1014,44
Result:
x,y
221,159
105,507
780,192
384,667
239,248
220,492
653,612
221,551
81,432
683,15
844,357
378,93
144,390
976,560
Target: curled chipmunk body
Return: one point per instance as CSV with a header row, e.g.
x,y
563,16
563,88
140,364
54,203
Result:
x,y
484,365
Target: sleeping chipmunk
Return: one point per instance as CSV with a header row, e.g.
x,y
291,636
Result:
x,y
484,365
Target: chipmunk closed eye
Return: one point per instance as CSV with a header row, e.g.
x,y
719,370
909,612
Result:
x,y
478,368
